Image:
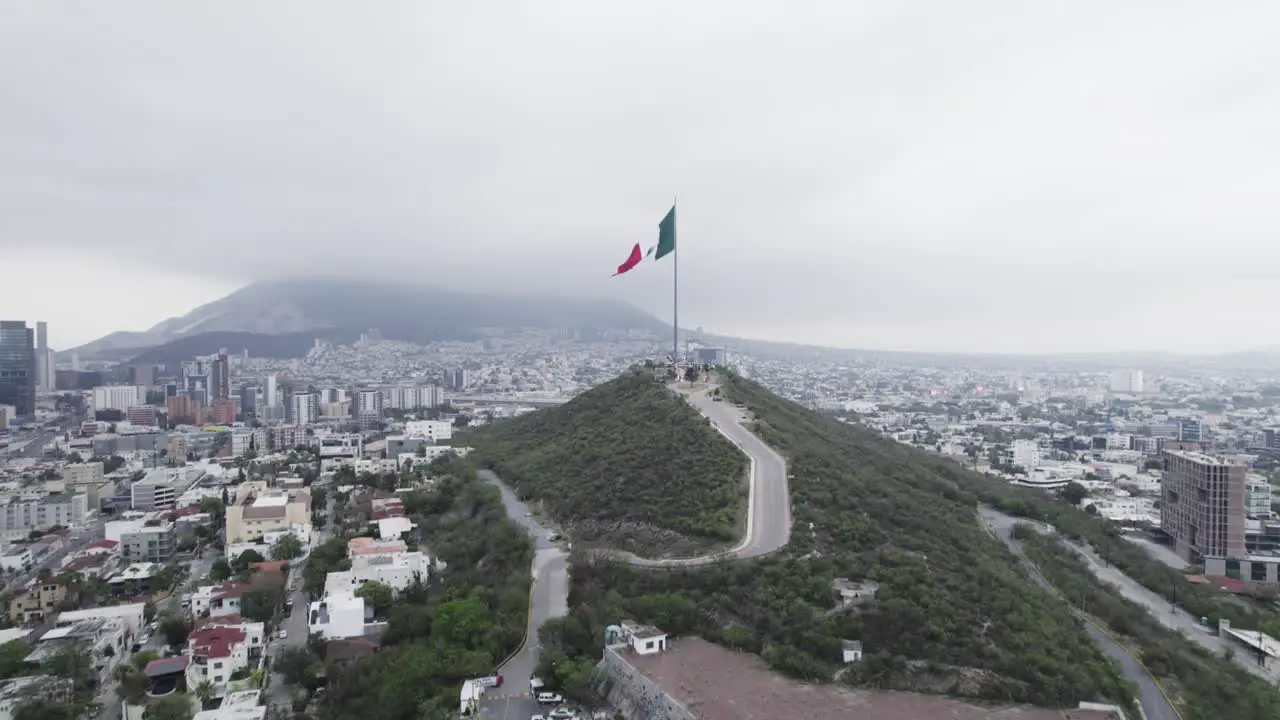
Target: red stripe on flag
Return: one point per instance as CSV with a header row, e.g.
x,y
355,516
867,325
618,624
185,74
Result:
x,y
632,260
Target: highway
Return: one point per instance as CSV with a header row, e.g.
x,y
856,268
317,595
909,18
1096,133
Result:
x,y
1155,704
768,529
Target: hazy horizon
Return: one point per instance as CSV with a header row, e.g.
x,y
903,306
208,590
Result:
x,y
981,177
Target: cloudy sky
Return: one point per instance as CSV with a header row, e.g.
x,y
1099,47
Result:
x,y
990,175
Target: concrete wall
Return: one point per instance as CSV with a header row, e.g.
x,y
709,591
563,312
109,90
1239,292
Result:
x,y
635,696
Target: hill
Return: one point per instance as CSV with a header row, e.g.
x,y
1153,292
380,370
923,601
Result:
x,y
399,311
288,345
628,464
953,614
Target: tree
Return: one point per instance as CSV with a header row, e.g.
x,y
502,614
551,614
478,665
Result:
x,y
220,570
287,547
44,709
177,706
378,595
1073,492
299,666
131,683
242,561
149,611
204,691
175,629
260,604
13,659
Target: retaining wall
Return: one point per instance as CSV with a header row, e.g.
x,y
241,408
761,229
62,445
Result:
x,y
636,696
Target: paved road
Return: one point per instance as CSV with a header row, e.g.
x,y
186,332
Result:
x,y
548,598
196,575
295,625
768,529
1155,706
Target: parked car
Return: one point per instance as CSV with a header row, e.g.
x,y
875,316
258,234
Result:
x,y
550,698
563,713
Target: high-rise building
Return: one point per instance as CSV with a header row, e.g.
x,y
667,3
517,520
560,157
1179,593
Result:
x,y
45,379
220,376
1126,381
18,367
456,379
269,395
1202,505
303,408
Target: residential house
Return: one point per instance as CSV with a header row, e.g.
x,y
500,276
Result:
x,y
135,580
218,600
241,705
36,602
224,652
341,615
16,691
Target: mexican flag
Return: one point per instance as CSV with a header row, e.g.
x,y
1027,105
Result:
x,y
666,245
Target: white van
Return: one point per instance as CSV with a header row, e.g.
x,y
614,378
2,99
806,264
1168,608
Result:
x,y
549,698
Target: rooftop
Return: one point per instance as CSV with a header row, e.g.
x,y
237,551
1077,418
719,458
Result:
x,y
214,641
719,684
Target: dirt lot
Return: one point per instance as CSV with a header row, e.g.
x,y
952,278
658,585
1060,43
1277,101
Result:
x,y
720,684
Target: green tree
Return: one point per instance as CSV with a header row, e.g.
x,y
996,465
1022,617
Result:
x,y
260,604
287,547
1073,492
242,561
220,570
177,706
379,597
175,629
13,659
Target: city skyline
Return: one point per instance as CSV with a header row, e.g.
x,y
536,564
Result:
x,y
949,178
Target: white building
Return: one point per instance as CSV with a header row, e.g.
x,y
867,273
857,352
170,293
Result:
x,y
218,600
304,407
396,571
432,430
337,616
1026,454
241,705
412,397
118,397
218,651
1257,499
1126,381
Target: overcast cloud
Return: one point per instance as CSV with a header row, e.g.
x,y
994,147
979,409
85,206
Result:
x,y
983,175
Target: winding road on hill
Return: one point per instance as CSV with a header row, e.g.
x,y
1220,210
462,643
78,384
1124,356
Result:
x,y
768,529
1155,704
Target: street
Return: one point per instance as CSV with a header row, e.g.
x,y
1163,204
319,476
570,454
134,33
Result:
x,y
1155,704
548,598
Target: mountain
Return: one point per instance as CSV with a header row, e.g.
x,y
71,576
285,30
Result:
x,y
627,464
319,306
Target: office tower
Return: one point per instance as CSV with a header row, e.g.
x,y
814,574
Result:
x,y
457,379
1202,505
44,358
1126,381
220,376
249,402
18,367
269,397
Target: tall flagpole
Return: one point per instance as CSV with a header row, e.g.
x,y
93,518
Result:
x,y
675,287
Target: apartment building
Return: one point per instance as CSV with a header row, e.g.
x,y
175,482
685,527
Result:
x,y
259,510
36,602
1203,505
20,516
118,397
153,541
161,487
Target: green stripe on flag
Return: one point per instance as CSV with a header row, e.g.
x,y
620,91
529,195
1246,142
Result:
x,y
666,235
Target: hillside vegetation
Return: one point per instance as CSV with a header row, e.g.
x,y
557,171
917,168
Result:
x,y
1207,686
953,613
459,624
628,464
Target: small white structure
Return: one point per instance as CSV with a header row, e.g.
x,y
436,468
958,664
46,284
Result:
x,y
850,651
854,592
644,639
